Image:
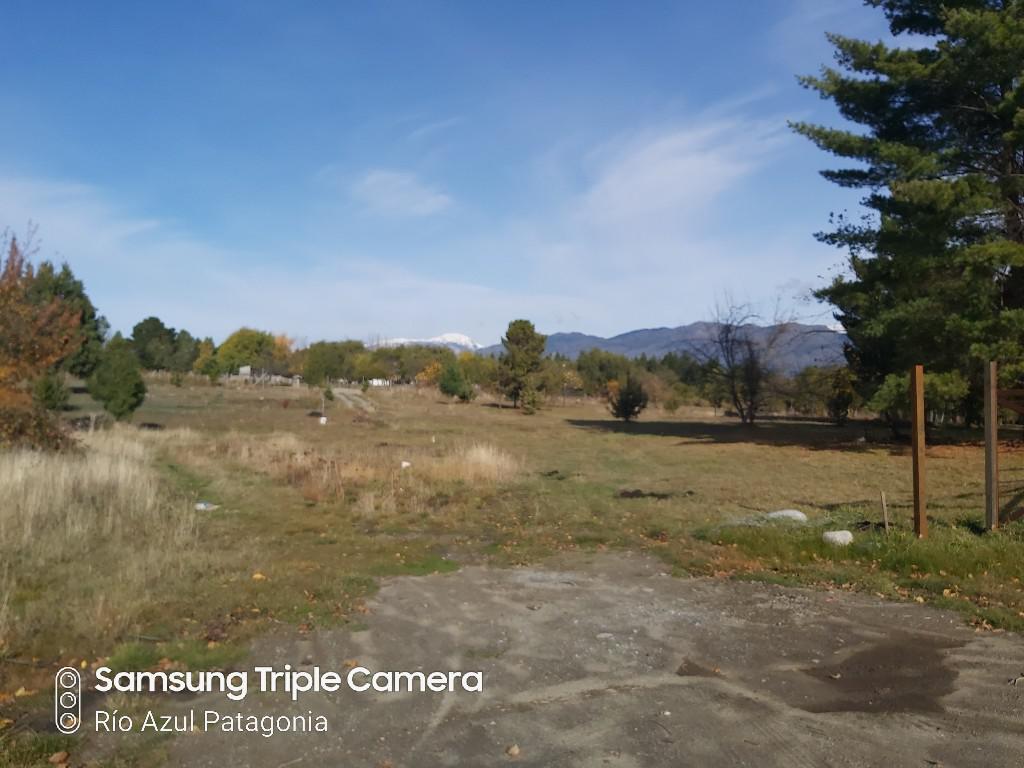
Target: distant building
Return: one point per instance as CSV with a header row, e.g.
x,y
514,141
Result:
x,y
245,370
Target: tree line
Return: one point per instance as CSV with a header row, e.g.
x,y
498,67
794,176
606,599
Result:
x,y
50,330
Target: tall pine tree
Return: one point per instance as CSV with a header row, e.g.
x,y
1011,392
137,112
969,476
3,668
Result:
x,y
521,362
936,267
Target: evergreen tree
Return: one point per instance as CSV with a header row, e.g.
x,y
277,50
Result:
x,y
49,285
936,268
186,350
117,381
521,361
153,343
627,401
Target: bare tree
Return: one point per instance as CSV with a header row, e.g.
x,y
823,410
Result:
x,y
743,351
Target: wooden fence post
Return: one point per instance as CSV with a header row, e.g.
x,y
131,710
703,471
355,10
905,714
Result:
x,y
917,448
991,447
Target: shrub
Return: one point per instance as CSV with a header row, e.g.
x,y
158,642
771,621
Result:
x,y
453,384
841,396
944,395
628,400
430,375
28,427
50,393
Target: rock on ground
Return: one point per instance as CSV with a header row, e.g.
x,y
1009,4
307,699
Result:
x,y
838,538
788,514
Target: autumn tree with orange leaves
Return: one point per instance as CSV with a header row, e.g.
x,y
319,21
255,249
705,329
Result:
x,y
34,336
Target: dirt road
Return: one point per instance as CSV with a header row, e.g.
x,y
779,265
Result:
x,y
353,398
608,661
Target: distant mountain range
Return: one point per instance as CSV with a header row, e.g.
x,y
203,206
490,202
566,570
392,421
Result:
x,y
798,345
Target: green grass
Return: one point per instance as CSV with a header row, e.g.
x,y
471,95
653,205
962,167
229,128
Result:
x,y
192,654
956,567
28,750
418,566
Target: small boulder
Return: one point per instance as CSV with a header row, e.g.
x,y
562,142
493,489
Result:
x,y
837,538
788,514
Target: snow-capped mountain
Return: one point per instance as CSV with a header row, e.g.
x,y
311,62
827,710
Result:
x,y
459,342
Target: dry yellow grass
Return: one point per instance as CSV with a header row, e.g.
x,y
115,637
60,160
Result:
x,y
324,475
90,531
477,463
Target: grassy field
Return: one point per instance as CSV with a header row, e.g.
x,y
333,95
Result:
x,y
105,556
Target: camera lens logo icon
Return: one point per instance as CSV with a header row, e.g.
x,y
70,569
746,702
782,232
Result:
x,y
67,700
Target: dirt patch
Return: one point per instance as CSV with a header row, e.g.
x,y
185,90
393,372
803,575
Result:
x,y
690,668
905,675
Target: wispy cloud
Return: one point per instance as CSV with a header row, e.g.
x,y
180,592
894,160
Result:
x,y
432,128
653,193
398,193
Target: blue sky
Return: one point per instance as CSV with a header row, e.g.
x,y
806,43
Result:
x,y
344,170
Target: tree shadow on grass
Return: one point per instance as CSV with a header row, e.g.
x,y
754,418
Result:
x,y
803,433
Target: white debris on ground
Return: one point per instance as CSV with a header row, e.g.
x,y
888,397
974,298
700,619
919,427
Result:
x,y
788,514
837,538
406,464
205,506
